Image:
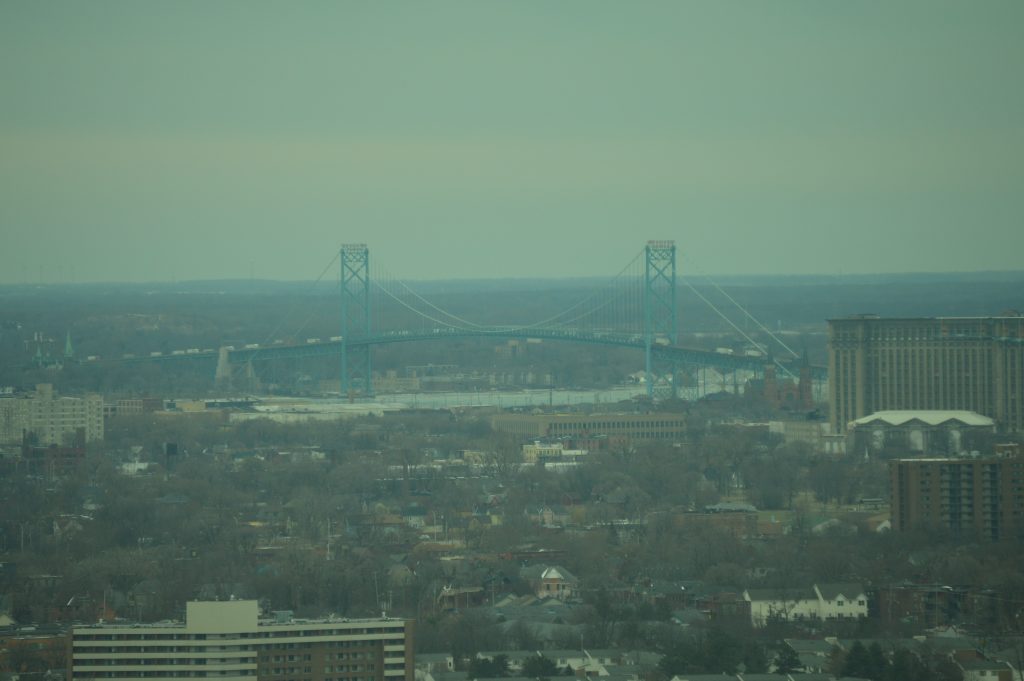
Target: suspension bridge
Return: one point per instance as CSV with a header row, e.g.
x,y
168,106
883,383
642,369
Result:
x,y
636,309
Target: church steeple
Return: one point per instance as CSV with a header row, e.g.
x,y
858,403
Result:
x,y
69,350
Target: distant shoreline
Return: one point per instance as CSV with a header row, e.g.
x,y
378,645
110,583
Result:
x,y
242,286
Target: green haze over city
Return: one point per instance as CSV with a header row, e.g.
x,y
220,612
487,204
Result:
x,y
156,141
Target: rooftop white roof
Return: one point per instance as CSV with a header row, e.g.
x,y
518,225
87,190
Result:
x,y
930,417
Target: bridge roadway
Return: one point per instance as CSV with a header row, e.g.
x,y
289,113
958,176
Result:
x,y
682,355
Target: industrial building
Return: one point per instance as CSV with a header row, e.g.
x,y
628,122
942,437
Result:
x,y
581,427
939,363
45,418
227,640
981,497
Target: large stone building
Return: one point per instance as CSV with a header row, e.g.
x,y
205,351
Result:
x,y
941,363
945,433
47,419
981,497
228,641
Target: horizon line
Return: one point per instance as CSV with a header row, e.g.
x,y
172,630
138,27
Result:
x,y
468,279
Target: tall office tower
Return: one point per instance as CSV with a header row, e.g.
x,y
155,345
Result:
x,y
228,641
941,363
983,497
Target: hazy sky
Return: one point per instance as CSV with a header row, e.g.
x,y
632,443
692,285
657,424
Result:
x,y
181,140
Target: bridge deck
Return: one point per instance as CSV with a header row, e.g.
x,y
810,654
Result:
x,y
681,354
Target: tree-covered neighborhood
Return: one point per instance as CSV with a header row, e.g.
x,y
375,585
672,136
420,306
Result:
x,y
728,549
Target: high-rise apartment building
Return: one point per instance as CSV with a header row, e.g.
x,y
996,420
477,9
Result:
x,y
228,641
49,418
983,497
942,363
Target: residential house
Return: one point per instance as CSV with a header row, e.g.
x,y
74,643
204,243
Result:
x,y
435,662
725,608
554,515
842,601
985,670
515,658
415,516
460,597
824,601
815,654
550,581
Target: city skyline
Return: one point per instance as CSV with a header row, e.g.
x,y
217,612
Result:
x,y
193,141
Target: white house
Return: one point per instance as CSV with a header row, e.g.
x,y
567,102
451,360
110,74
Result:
x,y
821,601
550,581
841,601
985,670
784,604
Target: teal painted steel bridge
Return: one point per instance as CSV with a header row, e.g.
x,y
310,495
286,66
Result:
x,y
637,309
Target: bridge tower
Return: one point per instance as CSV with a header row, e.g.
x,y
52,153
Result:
x,y
222,375
659,310
356,362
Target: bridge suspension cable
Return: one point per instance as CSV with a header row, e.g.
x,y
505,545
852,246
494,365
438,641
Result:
x,y
270,336
389,278
618,305
737,328
423,315
743,309
631,272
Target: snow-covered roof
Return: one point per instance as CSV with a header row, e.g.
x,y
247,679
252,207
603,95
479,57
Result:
x,y
555,572
932,417
802,593
831,592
